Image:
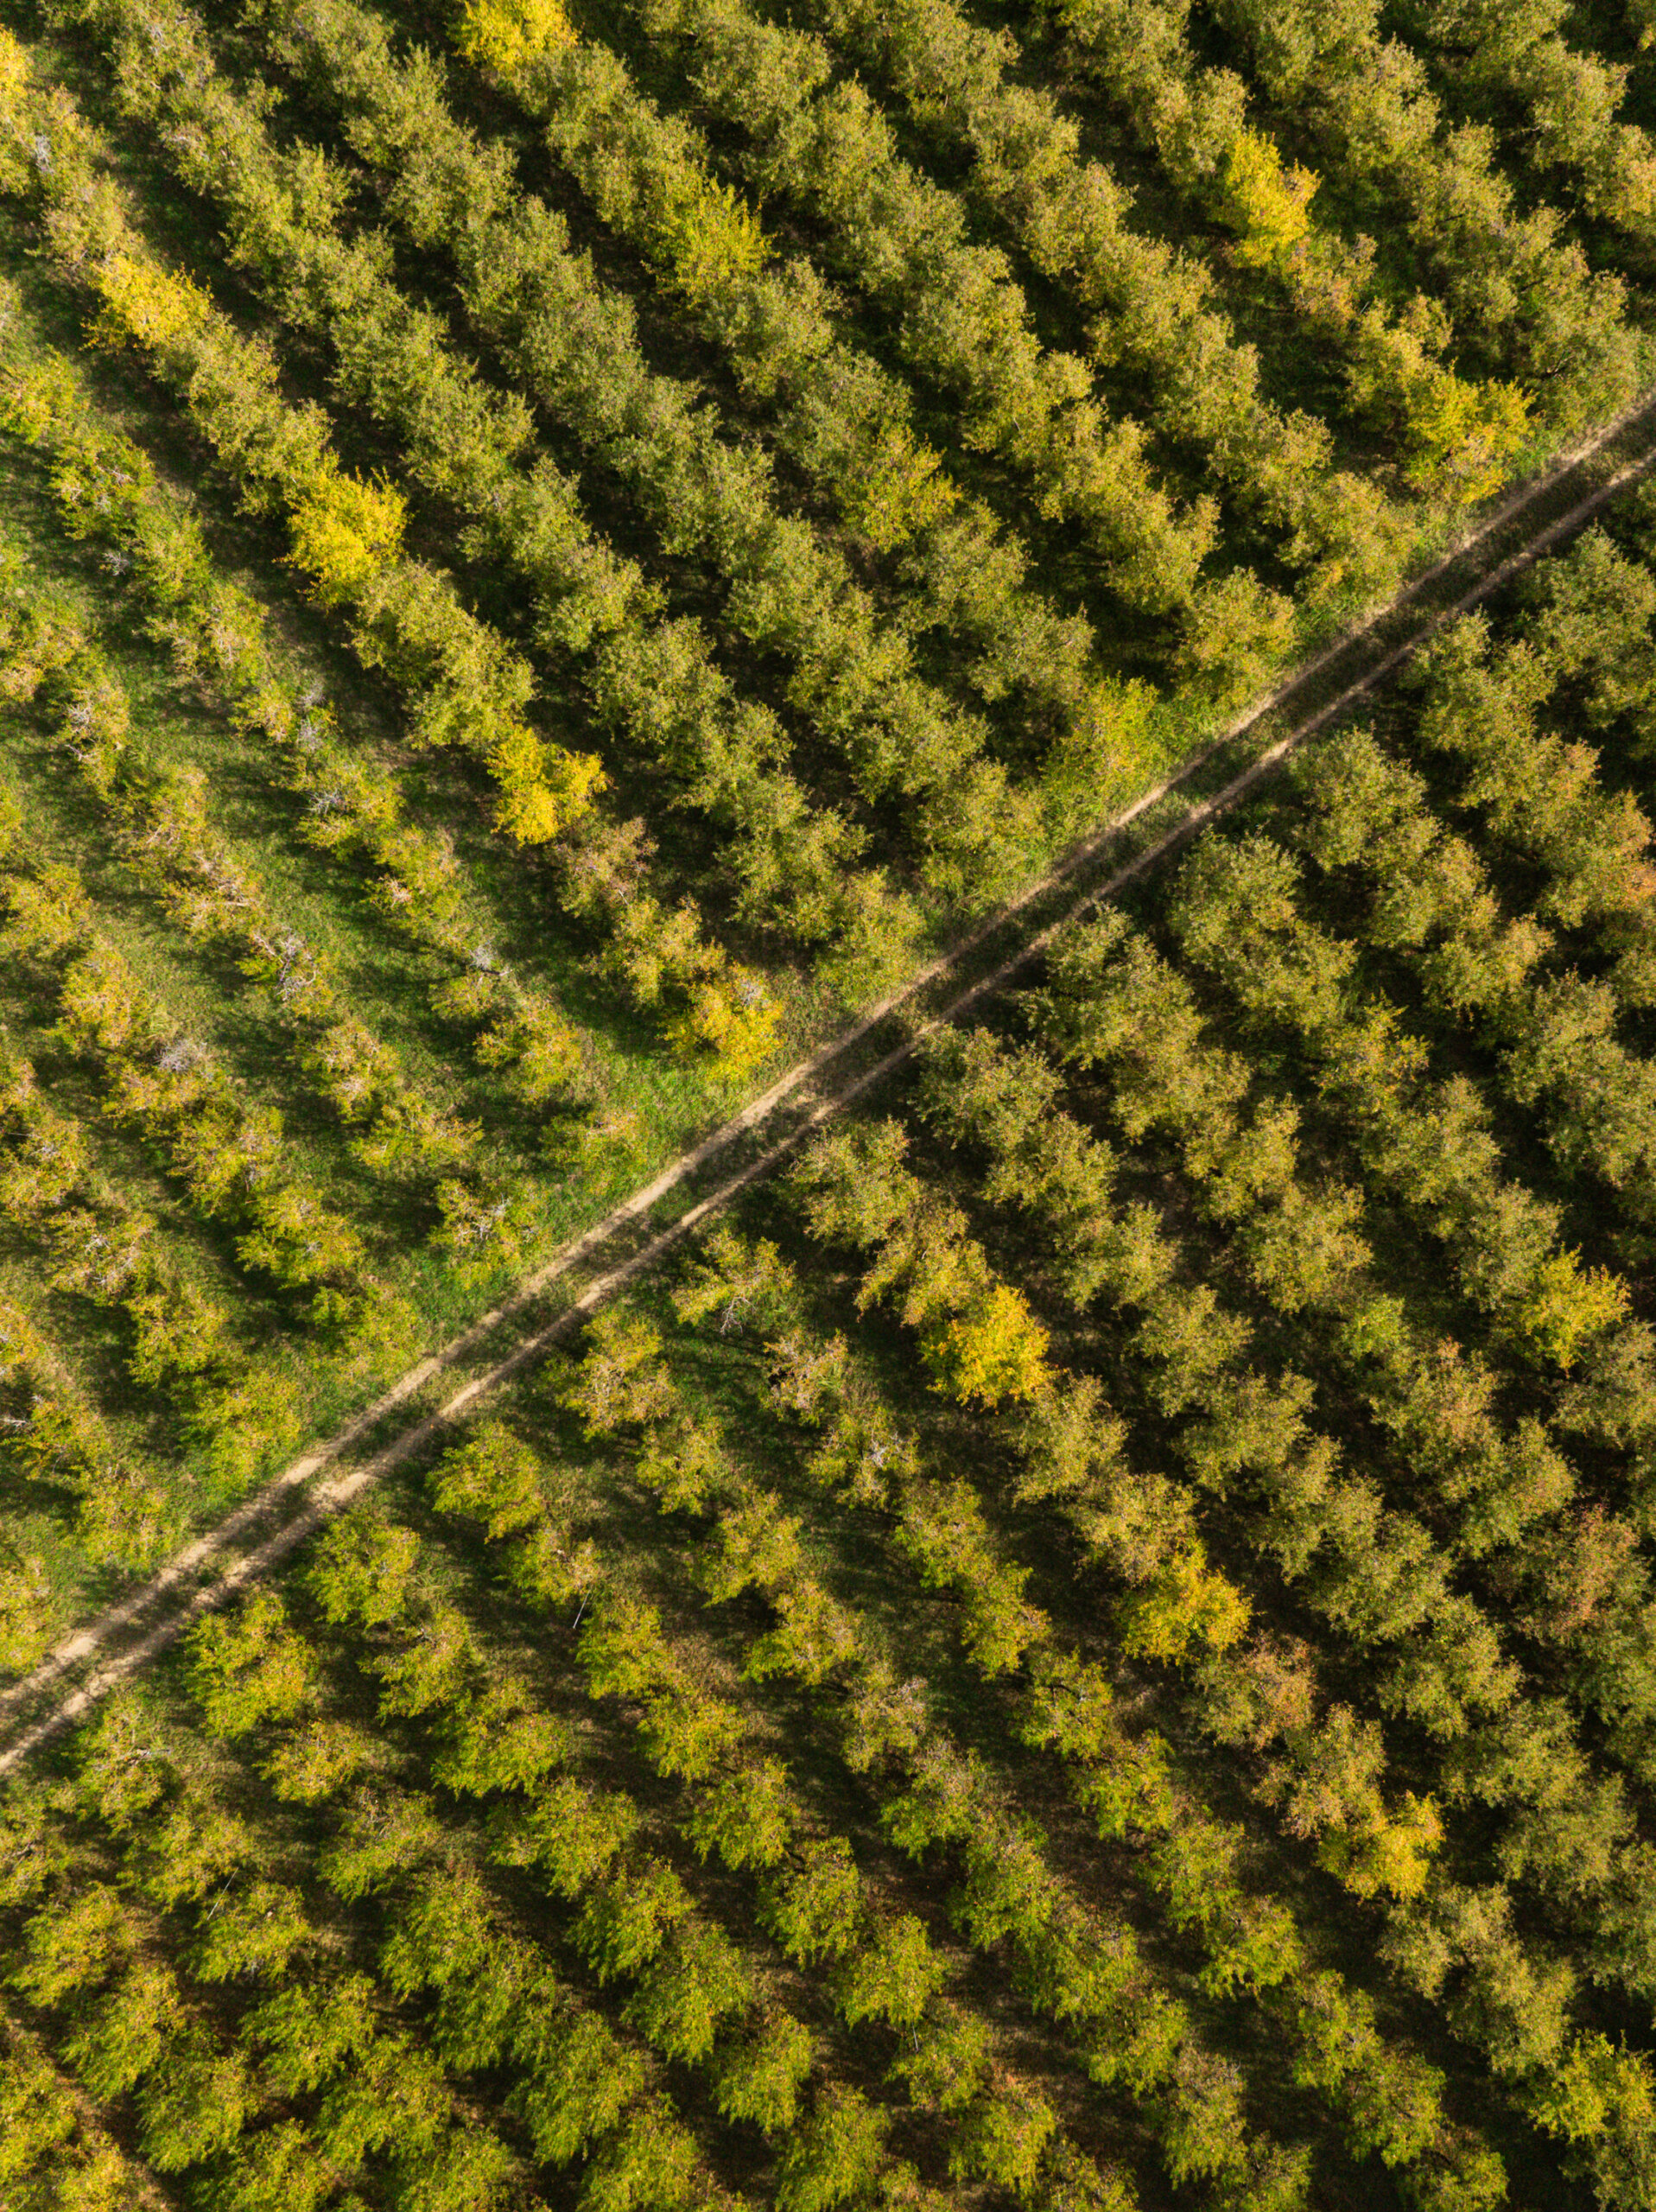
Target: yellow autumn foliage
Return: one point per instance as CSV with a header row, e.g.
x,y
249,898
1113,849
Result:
x,y
143,302
1596,2086
13,73
1106,750
1188,1602
14,132
542,789
1267,203
991,1349
344,529
1568,1304
1465,435
711,238
732,1014
1388,1856
505,35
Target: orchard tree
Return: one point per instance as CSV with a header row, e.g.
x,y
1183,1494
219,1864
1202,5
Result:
x,y
248,1667
361,1569
813,1637
574,1833
695,1982
255,1931
1002,2135
627,1916
746,1819
622,1382
1265,202
194,2104
757,2074
578,2078
277,2169
493,1476
994,1350
814,1907
891,1975
392,2096
74,1943
500,1740
651,2159
944,2059
312,1763
747,1284
837,2154
382,1836
754,1546
1185,1604
435,1664
691,1734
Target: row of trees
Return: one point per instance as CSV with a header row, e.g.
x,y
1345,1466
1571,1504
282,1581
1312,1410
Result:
x,y
1196,1868
1457,439
1244,1946
1564,1799
1501,1995
692,1994
1069,216
622,1385
652,683
161,828
51,1433
319,2082
1494,1486
182,1338
353,806
1540,797
464,684
789,590
151,1915
1511,281
1588,613
842,417
1237,912
51,2152
1568,98
228,1151
160,825
426,1666
1430,902
1072,1967
960,321
1028,406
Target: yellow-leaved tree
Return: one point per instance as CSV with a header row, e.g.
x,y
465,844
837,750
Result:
x,y
902,490
14,116
343,529
542,789
1386,1852
142,301
505,34
1268,203
1569,1304
991,1347
733,1013
1460,436
711,238
1185,1603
